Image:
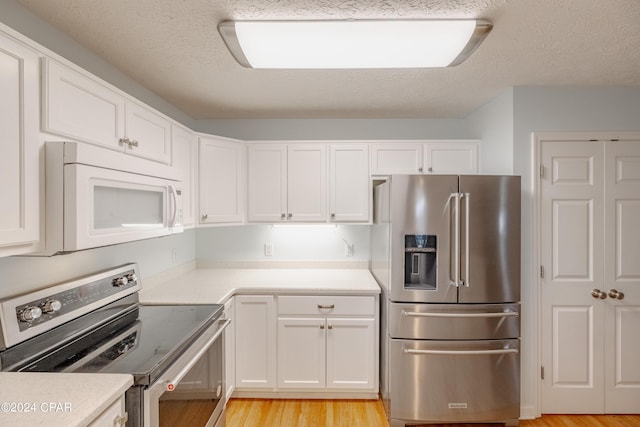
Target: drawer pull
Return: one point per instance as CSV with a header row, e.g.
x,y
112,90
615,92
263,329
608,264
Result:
x,y
326,306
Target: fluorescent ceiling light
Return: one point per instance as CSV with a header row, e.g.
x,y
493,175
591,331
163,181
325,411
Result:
x,y
352,44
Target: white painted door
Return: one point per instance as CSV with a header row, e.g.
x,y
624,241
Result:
x,y
184,157
351,354
301,352
255,341
587,212
19,163
80,107
451,157
267,186
622,274
349,183
306,183
221,182
396,157
149,133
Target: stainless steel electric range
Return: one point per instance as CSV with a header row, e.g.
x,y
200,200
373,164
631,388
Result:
x,y
96,324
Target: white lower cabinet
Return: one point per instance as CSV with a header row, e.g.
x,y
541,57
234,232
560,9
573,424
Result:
x,y
114,416
327,343
255,342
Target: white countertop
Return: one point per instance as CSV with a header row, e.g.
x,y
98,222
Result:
x,y
55,399
216,285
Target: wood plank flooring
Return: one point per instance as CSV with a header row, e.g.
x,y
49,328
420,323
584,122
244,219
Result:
x,y
370,413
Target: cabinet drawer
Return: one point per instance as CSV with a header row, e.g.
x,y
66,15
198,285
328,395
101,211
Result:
x,y
327,305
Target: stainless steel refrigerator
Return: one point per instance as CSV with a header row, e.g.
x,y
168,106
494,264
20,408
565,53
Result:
x,y
446,252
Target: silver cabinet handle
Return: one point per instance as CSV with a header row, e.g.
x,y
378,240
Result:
x,y
290,215
124,140
322,326
467,315
133,143
598,294
461,352
430,169
330,326
283,216
333,216
205,216
326,306
419,169
615,294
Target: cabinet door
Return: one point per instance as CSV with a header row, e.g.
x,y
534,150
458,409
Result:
x,y
351,354
349,183
396,158
230,347
184,158
19,163
307,183
301,352
149,133
113,416
267,186
221,181
79,107
255,342
451,157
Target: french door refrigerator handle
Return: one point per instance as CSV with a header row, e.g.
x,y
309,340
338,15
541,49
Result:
x,y
467,315
454,277
467,206
461,352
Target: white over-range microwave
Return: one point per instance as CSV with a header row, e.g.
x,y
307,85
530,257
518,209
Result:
x,y
98,197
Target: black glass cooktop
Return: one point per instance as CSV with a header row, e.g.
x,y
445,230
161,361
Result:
x,y
142,344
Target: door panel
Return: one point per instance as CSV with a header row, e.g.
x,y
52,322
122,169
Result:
x,y
622,274
421,205
491,206
571,253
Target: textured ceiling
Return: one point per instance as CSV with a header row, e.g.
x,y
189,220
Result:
x,y
173,48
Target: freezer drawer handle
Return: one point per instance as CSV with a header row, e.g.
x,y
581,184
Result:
x,y
462,352
473,315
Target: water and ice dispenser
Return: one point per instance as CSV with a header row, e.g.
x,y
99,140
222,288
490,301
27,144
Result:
x,y
420,261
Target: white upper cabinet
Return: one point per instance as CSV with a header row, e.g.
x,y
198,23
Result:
x,y
287,182
456,157
185,159
147,134
19,163
438,157
349,183
396,158
221,184
80,106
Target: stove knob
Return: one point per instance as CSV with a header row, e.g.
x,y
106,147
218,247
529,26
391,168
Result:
x,y
120,281
51,306
28,314
131,277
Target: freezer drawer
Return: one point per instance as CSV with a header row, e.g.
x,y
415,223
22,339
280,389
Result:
x,y
454,381
454,321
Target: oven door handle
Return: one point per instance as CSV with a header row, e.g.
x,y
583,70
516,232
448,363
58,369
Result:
x,y
171,384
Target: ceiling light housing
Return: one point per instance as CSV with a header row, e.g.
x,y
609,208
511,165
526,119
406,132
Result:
x,y
353,43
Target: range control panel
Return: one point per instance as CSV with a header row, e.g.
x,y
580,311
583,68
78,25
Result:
x,y
45,309
27,315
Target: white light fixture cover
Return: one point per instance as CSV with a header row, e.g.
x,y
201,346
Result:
x,y
353,44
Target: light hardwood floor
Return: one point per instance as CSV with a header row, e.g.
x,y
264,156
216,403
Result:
x,y
370,413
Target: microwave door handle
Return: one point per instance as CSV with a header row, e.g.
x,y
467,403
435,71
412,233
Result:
x,y
174,205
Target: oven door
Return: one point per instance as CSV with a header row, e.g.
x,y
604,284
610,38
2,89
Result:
x,y
191,392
